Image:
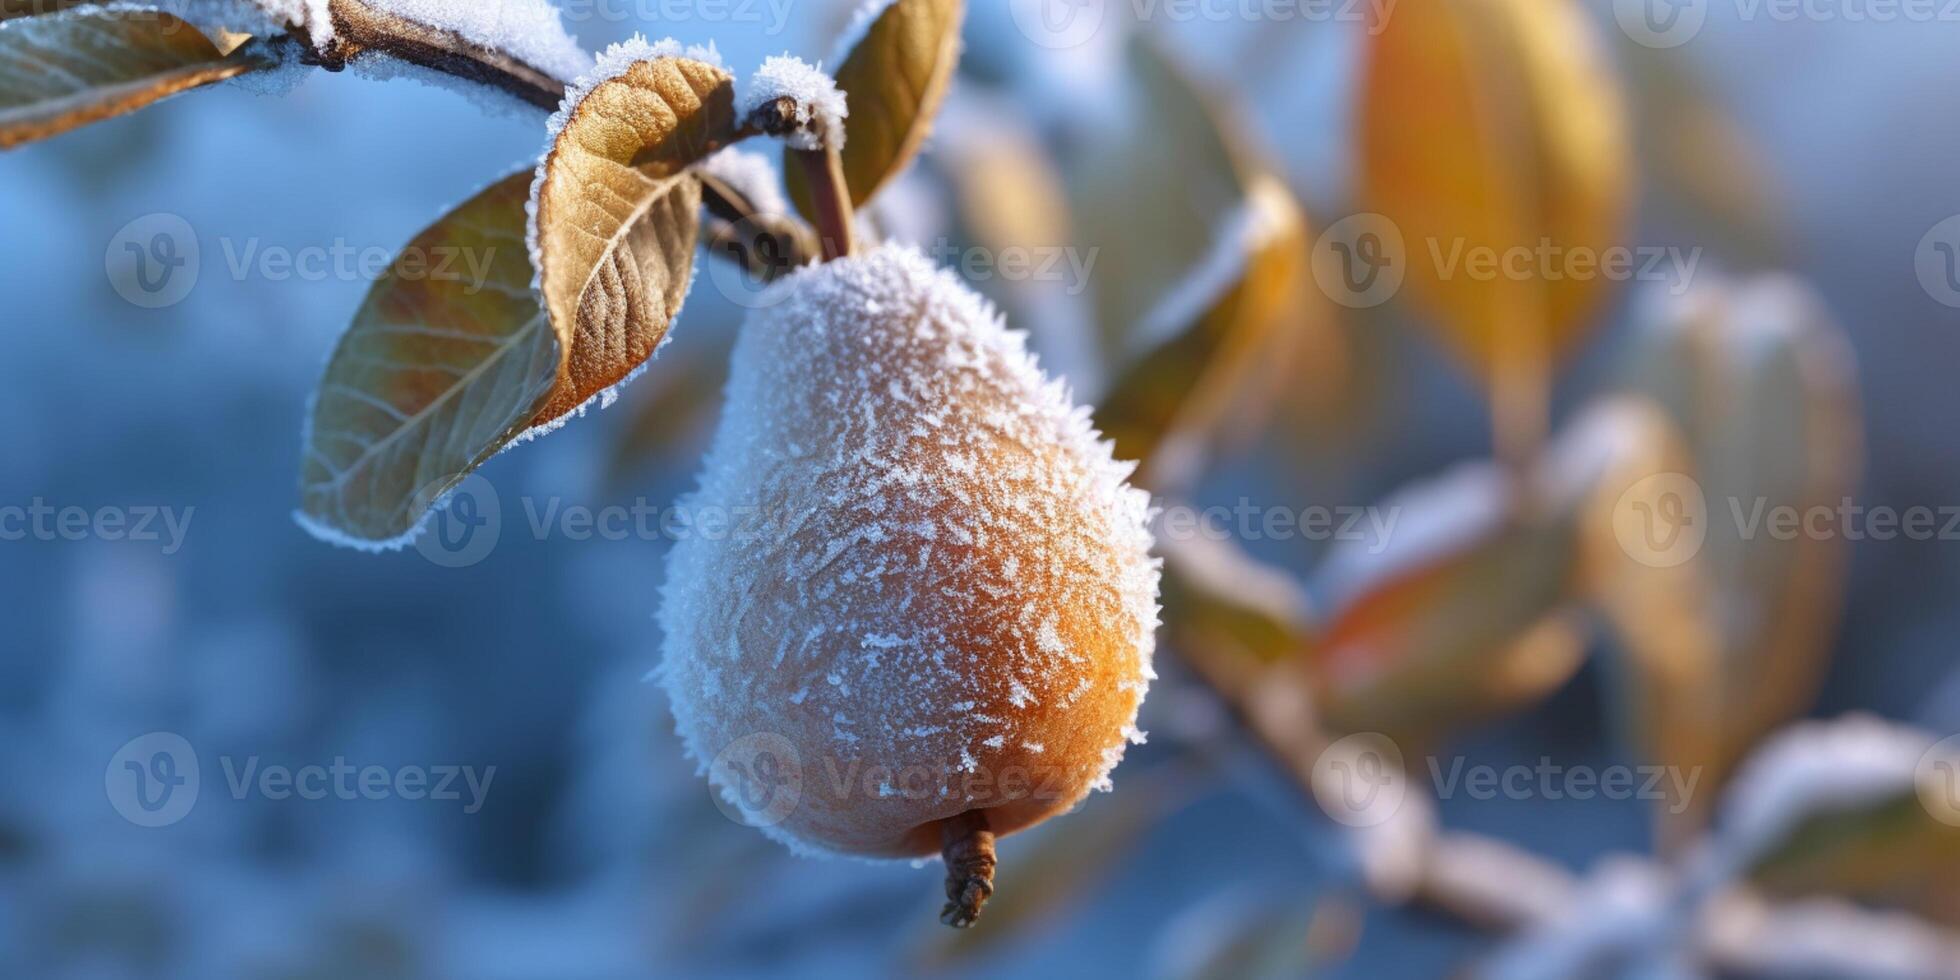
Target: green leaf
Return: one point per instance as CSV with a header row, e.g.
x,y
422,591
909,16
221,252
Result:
x,y
437,373
894,80
66,70
616,215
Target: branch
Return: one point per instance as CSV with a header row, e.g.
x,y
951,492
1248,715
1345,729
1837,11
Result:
x,y
359,28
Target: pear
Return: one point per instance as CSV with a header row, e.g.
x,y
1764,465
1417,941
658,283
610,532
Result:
x,y
915,606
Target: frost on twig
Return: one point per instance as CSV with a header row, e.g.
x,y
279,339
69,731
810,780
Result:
x,y
788,98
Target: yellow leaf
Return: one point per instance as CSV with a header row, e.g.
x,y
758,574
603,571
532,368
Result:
x,y
894,80
1636,537
1253,293
436,374
66,70
1490,129
616,216
1761,385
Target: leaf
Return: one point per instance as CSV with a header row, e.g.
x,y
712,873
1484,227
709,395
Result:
x,y
1222,604
1854,806
435,375
63,71
1462,614
1231,317
1494,125
1763,385
1148,189
616,213
894,80
1659,608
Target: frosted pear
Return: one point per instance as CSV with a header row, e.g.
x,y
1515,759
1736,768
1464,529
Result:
x,y
915,579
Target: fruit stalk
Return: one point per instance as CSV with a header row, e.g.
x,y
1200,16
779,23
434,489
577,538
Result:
x,y
831,199
969,853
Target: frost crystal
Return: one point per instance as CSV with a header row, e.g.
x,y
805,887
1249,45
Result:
x,y
820,107
528,30
899,472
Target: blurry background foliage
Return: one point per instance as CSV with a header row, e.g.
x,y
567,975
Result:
x,y
1215,171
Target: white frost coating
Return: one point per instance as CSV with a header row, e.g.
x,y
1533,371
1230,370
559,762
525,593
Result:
x,y
753,175
312,15
866,14
1813,768
528,30
925,534
820,106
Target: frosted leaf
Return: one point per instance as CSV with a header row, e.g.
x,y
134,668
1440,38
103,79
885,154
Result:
x,y
878,410
528,30
820,106
1813,768
1432,519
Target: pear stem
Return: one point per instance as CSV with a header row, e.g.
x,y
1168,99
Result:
x,y
830,197
968,848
